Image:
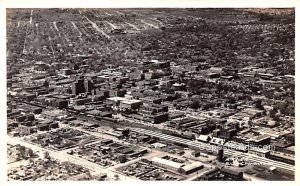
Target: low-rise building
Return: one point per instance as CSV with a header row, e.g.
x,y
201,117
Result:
x,y
190,168
259,152
168,164
235,175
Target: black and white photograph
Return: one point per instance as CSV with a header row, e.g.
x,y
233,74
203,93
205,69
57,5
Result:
x,y
150,94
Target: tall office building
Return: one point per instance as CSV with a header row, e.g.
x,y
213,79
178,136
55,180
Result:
x,y
88,85
220,154
78,87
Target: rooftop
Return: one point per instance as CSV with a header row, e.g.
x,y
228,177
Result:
x,y
167,162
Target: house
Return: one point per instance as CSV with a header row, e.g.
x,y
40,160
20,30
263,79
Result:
x,y
26,130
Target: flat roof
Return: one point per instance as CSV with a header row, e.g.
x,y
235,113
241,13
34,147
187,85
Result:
x,y
159,145
89,124
117,98
203,137
219,141
167,162
75,121
130,101
261,137
150,98
231,171
93,112
192,166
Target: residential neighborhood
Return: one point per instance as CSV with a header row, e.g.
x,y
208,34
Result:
x,y
151,94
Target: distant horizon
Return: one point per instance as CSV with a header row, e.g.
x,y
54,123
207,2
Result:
x,y
174,94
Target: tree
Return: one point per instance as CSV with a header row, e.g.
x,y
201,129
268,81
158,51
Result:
x,y
276,117
22,149
30,153
116,176
231,100
31,161
258,105
272,113
46,84
122,158
88,175
46,155
195,85
167,88
195,104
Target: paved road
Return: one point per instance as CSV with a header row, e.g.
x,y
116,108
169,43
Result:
x,y
96,27
62,156
132,25
149,24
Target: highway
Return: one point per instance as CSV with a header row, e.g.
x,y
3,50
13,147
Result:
x,y
247,156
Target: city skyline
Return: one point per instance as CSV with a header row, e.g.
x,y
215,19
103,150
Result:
x,y
151,94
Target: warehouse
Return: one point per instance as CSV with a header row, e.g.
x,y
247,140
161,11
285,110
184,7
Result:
x,y
164,163
190,168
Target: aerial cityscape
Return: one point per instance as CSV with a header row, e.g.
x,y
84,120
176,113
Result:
x,y
156,94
